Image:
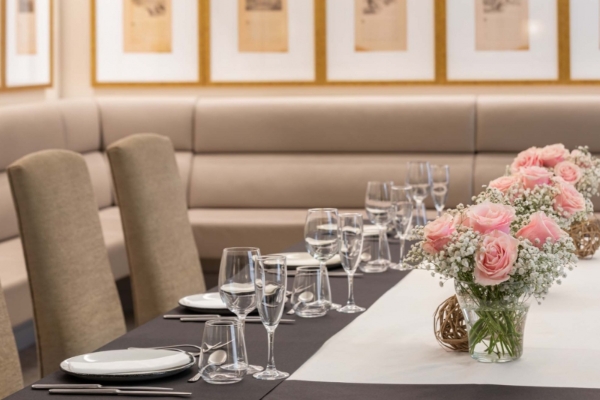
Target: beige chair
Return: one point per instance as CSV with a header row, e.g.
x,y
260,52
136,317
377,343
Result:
x,y
75,300
10,367
163,259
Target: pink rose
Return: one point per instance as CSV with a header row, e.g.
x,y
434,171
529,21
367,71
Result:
x,y
487,217
570,172
495,258
527,158
504,183
534,176
438,233
569,200
553,154
540,228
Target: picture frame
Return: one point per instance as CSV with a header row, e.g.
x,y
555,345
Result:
x,y
261,42
27,44
385,42
483,51
584,41
137,43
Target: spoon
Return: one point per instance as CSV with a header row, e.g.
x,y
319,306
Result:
x,y
217,358
197,377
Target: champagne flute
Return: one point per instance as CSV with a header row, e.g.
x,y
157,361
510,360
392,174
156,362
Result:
x,y
403,211
351,235
322,242
441,179
236,285
418,177
379,208
271,284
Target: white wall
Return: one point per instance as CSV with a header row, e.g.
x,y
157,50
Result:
x,y
72,73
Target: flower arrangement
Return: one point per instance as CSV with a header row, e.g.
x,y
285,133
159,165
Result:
x,y
498,261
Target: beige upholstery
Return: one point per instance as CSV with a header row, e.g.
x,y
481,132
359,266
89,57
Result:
x,y
305,181
442,124
514,123
172,117
163,258
8,219
81,124
76,305
10,367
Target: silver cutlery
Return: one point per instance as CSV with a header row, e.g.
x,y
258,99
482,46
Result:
x,y
249,321
197,377
173,347
46,386
173,316
119,392
334,274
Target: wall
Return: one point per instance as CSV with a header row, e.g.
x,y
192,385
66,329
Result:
x,y
72,73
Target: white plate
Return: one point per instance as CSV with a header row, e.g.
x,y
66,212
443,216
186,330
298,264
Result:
x,y
204,301
134,364
304,259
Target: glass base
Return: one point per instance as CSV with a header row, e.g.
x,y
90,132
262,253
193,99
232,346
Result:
x,y
399,267
353,309
271,375
485,357
252,369
220,379
311,313
334,306
374,267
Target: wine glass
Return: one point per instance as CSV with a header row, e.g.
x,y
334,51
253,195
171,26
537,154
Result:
x,y
322,242
441,179
351,234
378,204
271,285
236,285
403,211
419,177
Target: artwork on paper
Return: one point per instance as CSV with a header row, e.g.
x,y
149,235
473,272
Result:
x,y
380,25
502,25
147,26
263,26
26,37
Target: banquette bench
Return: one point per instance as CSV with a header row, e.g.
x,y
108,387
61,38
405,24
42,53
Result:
x,y
252,166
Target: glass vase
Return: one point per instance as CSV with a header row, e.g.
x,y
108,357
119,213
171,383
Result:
x,y
495,320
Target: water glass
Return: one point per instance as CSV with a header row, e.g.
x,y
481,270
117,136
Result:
x,y
403,211
310,292
236,284
418,176
441,179
223,358
379,208
322,242
271,286
351,238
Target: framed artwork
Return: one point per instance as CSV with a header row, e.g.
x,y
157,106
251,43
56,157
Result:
x,y
380,40
254,41
145,42
27,43
584,40
502,40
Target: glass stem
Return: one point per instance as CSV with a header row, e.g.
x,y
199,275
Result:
x,y
351,289
320,281
271,357
382,233
401,259
242,319
421,219
439,212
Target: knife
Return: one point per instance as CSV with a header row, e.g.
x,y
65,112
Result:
x,y
119,392
249,321
172,316
95,386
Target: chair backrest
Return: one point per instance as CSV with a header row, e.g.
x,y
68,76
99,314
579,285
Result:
x,y
10,368
163,258
75,300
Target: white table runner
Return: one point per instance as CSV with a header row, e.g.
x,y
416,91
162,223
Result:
x,y
393,341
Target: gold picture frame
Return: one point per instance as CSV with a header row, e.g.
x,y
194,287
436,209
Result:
x,y
3,47
321,56
201,55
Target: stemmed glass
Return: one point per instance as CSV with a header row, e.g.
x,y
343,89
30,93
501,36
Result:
x,y
418,177
236,285
441,179
379,208
322,243
403,212
351,235
271,284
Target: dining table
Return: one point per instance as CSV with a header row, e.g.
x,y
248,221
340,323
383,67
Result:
x,y
390,350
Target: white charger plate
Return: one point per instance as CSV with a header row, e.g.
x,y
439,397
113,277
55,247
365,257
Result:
x,y
204,302
128,365
302,259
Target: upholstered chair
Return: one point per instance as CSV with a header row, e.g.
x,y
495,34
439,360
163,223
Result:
x,y
163,258
75,301
10,367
